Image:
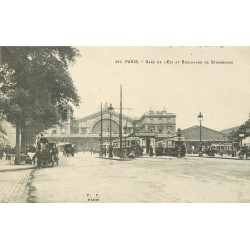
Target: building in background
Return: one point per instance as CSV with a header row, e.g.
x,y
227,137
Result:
x,y
208,136
154,126
85,132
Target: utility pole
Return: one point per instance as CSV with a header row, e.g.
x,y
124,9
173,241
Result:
x,y
120,123
101,149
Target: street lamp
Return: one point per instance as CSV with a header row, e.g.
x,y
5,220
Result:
x,y
200,118
179,138
134,128
125,129
241,135
100,148
111,111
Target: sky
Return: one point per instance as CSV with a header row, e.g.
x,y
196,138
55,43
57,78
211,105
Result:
x,y
219,91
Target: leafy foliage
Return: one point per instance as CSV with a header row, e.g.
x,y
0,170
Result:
x,y
243,129
37,87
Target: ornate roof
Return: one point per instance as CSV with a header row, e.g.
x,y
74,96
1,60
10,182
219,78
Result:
x,y
105,111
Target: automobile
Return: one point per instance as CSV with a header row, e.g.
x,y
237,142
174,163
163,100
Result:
x,y
69,149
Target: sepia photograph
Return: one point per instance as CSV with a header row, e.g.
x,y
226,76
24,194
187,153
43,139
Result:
x,y
124,124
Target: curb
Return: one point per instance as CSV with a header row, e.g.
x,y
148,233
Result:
x,y
16,169
116,159
222,158
170,158
160,157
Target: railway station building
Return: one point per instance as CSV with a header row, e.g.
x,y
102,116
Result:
x,y
85,132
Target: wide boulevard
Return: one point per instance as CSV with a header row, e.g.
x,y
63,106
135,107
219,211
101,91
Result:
x,y
88,178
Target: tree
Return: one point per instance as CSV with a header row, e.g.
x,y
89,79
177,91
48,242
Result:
x,y
38,90
244,129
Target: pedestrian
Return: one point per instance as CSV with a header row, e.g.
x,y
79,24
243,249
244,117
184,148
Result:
x,y
110,151
43,141
142,150
212,151
7,152
104,150
1,152
244,150
221,152
183,150
151,151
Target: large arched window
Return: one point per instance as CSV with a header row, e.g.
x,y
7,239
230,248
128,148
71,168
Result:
x,y
105,127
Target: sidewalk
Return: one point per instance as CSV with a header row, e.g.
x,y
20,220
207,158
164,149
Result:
x,y
114,158
172,157
6,166
217,157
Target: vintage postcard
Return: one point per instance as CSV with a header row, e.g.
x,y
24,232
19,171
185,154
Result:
x,y
124,124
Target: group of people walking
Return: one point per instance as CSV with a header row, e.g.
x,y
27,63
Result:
x,y
6,151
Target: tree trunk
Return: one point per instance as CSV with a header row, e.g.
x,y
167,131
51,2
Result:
x,y
17,158
24,138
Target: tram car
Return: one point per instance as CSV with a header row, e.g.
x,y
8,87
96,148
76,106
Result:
x,y
171,146
221,147
129,145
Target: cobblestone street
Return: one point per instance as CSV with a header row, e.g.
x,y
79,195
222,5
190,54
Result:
x,y
13,186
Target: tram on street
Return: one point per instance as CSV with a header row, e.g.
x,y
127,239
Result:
x,y
219,147
129,145
170,146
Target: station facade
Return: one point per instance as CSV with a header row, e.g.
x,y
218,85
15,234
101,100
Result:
x,y
85,132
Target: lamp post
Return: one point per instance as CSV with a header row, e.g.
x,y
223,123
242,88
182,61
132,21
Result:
x,y
110,110
233,147
100,137
179,146
100,148
241,135
200,118
125,146
134,129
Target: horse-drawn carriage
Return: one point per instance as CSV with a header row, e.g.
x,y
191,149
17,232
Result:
x,y
47,155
